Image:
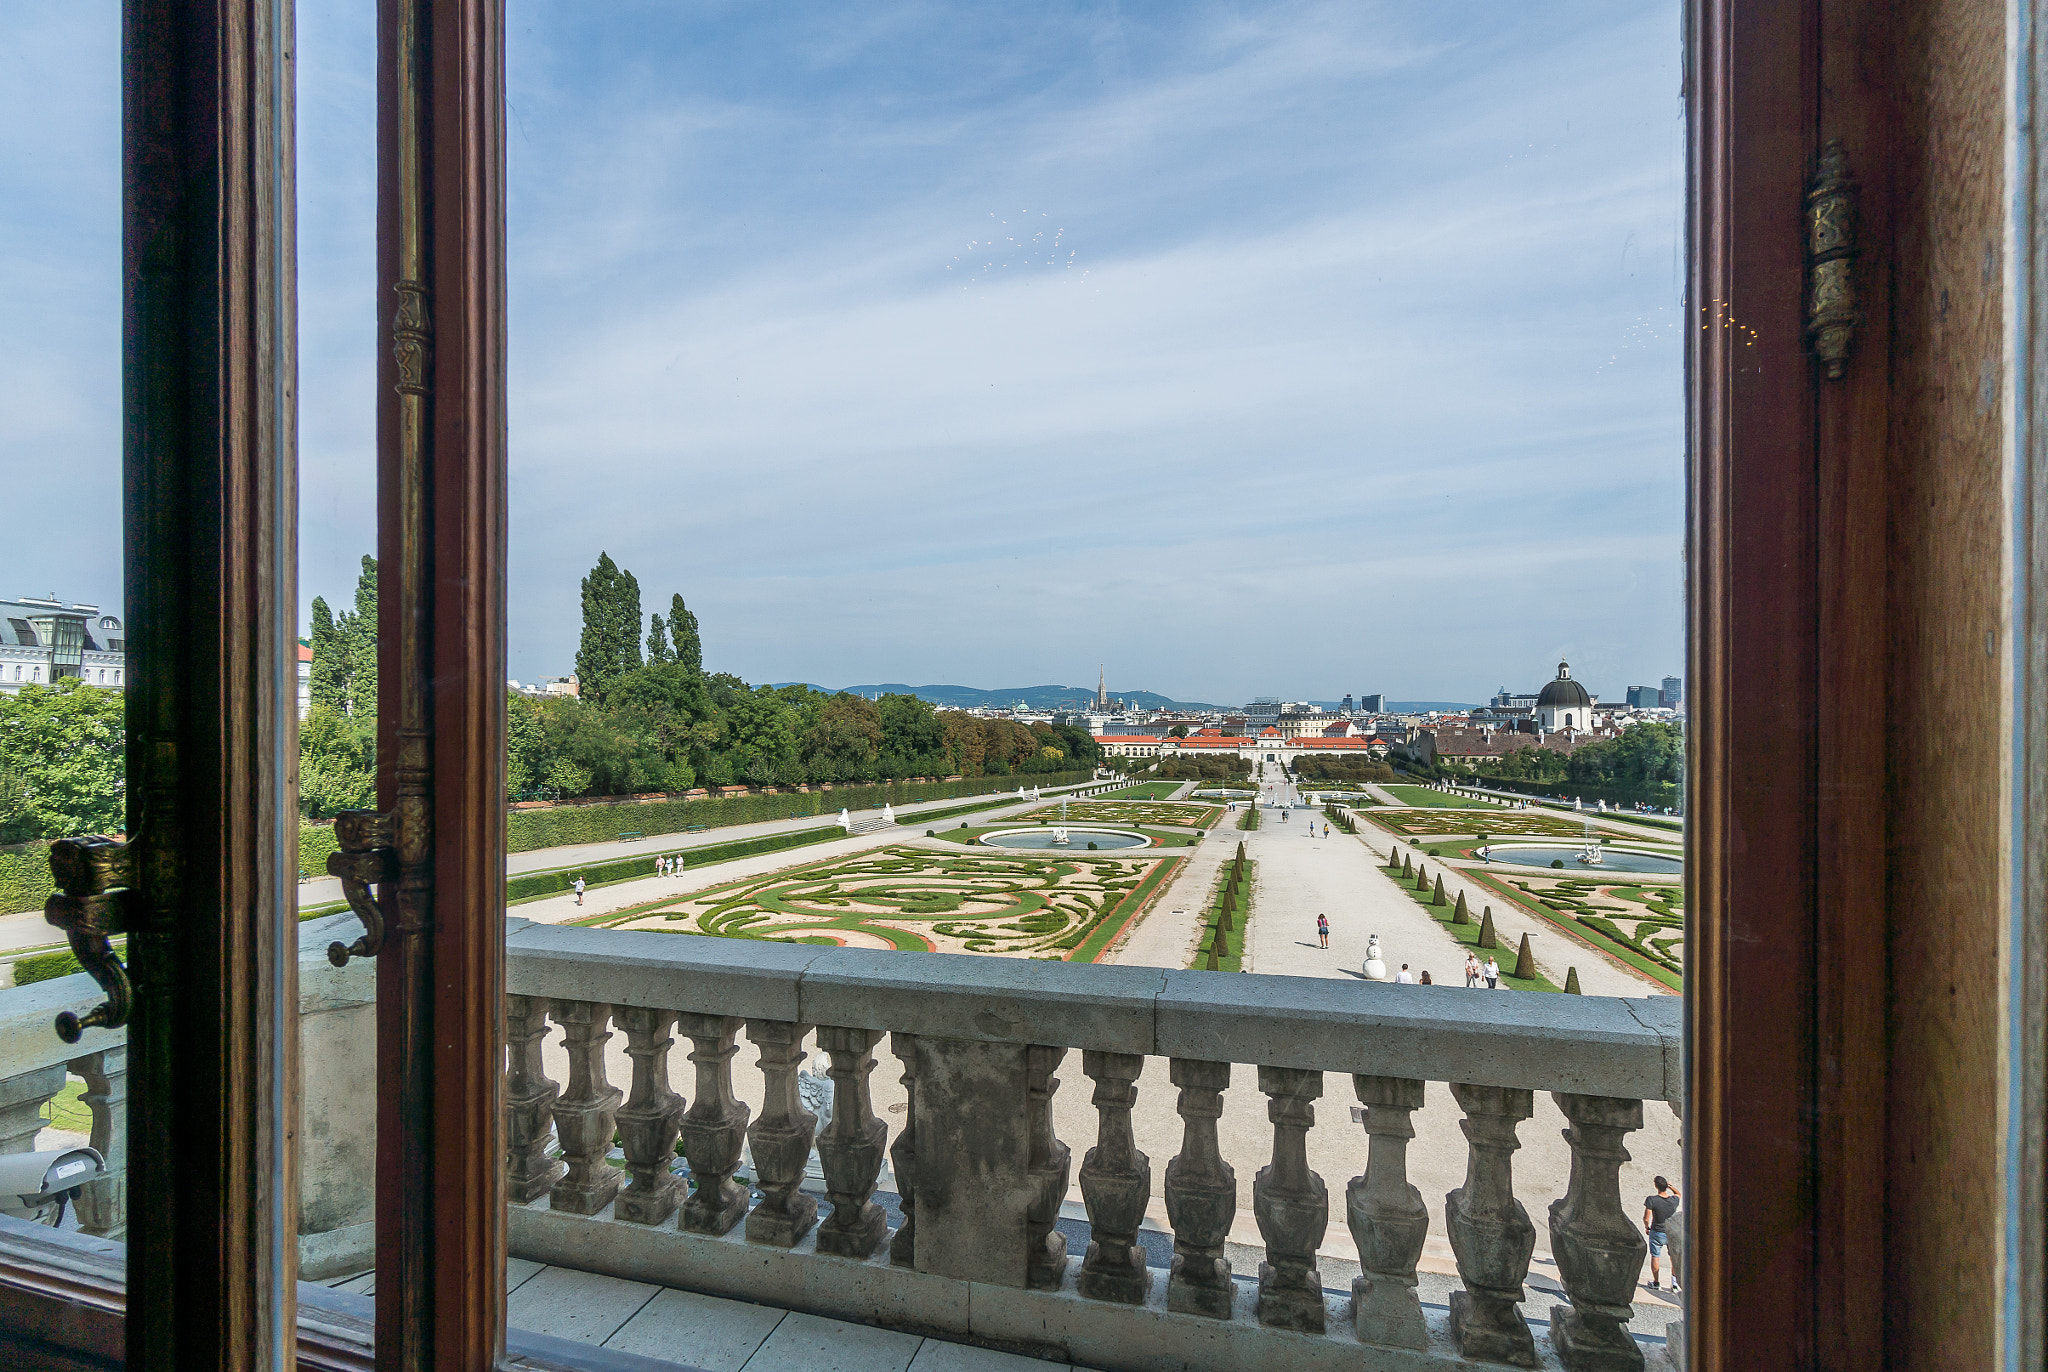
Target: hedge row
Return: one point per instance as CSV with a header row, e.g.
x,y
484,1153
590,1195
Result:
x,y
1655,793
25,878
531,885
531,829
49,966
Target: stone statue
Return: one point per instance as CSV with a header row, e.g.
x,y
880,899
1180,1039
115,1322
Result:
x,y
814,1089
1375,967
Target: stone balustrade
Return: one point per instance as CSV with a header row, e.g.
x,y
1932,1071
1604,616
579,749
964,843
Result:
x,y
981,1174
34,1066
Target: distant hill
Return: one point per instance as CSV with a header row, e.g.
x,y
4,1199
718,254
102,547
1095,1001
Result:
x,y
1034,697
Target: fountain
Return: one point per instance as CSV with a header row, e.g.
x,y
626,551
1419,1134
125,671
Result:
x,y
1059,838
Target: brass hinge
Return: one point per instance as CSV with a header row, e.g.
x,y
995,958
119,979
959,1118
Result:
x,y
1831,313
93,888
368,856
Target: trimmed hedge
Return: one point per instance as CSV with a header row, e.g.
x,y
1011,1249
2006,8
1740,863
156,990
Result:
x,y
25,878
49,966
533,885
527,830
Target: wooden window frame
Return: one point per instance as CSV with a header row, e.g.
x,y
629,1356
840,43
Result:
x,y
1787,1029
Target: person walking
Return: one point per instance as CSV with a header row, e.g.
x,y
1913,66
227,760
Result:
x,y
1471,971
1323,929
1657,1212
1492,973
579,890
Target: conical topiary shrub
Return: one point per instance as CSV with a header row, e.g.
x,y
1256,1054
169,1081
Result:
x,y
1221,947
1436,897
1571,981
1240,852
1407,867
1421,877
1223,915
1487,938
1525,960
1461,915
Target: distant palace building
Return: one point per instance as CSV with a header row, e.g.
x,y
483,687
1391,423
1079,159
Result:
x,y
44,641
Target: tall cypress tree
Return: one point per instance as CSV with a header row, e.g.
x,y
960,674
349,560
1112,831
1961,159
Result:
x,y
359,643
611,628
682,628
657,641
330,673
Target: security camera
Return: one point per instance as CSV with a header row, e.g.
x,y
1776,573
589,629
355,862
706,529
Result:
x,y
36,1186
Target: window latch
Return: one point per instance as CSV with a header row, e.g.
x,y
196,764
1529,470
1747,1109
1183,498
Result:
x,y
91,903
368,856
1831,313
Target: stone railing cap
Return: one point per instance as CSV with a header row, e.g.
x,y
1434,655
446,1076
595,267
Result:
x,y
1592,1045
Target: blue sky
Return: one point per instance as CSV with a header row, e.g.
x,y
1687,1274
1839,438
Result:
x,y
1251,349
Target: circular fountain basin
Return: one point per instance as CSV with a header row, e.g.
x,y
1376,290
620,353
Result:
x,y
1077,839
1617,860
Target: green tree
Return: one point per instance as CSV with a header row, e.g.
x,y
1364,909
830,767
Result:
x,y
682,630
329,684
337,762
611,629
657,641
358,643
846,741
63,766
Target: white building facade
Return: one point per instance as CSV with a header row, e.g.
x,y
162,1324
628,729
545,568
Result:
x,y
44,641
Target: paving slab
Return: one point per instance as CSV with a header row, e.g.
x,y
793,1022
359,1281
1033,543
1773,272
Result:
x,y
939,1356
807,1343
706,1332
582,1307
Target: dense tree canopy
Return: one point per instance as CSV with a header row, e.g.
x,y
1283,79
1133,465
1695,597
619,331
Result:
x,y
63,762
663,724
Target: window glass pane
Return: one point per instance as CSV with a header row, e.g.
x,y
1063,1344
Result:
x,y
62,634
883,380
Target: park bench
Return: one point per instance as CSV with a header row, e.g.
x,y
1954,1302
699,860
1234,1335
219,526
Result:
x,y
695,828
632,836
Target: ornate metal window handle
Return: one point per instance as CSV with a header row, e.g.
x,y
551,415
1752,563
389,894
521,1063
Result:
x,y
1832,316
91,903
368,856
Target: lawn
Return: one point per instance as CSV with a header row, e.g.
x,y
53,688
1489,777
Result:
x,y
1143,790
1423,795
1069,906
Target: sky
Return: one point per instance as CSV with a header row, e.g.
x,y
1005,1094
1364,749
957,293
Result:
x,y
1250,349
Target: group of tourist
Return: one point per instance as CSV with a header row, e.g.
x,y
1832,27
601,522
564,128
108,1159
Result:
x,y
668,866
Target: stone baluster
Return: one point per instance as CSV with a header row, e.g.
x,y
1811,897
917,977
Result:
x,y
1490,1231
1291,1204
529,1101
1387,1218
714,1126
1201,1195
851,1149
103,1205
649,1120
1599,1248
781,1138
585,1112
1116,1184
903,1153
22,1100
1050,1161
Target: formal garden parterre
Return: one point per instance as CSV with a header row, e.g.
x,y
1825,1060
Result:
x,y
1127,812
1640,922
1493,823
1068,906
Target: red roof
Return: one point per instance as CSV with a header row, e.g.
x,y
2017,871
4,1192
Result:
x,y
1339,743
1127,738
305,653
1231,743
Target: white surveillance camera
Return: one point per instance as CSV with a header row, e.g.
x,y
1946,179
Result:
x,y
35,1186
